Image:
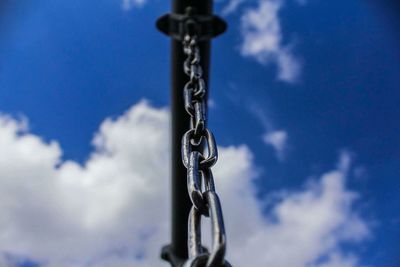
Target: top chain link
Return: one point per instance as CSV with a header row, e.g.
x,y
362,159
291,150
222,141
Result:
x,y
200,181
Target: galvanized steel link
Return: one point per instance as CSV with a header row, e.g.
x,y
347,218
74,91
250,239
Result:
x,y
200,180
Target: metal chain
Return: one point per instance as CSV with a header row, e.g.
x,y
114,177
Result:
x,y
200,181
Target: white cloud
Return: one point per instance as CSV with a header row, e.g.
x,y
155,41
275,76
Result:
x,y
304,226
262,39
72,214
278,141
113,210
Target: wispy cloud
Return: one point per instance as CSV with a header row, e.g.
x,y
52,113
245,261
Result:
x,y
232,6
263,39
129,4
113,211
278,140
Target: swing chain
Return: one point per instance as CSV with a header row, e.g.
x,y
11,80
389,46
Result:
x,y
200,181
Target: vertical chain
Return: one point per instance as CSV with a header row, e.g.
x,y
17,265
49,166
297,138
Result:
x,y
200,180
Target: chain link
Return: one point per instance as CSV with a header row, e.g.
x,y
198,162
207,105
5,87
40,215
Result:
x,y
200,180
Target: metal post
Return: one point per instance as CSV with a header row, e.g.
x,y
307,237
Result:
x,y
177,252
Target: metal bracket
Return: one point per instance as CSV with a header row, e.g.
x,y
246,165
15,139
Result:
x,y
168,254
204,26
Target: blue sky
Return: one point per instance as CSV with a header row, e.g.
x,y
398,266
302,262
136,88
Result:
x,y
296,87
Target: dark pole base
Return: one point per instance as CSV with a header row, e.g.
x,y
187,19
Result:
x,y
168,254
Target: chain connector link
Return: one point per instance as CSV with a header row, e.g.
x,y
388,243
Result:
x,y
187,148
199,122
194,183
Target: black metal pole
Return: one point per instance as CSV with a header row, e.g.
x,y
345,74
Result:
x,y
177,252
